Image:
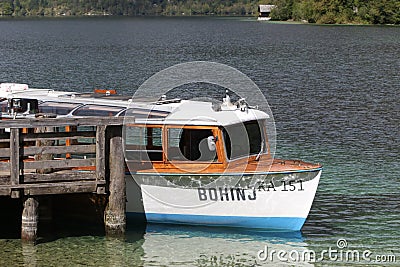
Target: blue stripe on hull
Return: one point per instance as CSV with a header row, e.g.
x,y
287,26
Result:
x,y
270,223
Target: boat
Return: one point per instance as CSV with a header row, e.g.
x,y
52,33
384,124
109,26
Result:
x,y
191,162
264,18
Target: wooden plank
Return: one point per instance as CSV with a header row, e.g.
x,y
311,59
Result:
x,y
5,166
58,177
14,156
4,152
5,191
4,179
68,163
44,142
77,149
58,122
60,188
100,153
59,135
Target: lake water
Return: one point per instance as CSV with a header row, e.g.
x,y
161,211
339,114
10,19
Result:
x,y
334,92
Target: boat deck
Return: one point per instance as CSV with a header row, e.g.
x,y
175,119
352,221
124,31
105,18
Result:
x,y
234,167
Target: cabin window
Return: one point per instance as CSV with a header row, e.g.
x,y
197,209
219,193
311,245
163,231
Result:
x,y
242,140
97,110
190,145
143,143
57,108
144,113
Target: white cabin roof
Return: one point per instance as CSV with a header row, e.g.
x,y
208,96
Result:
x,y
172,112
189,112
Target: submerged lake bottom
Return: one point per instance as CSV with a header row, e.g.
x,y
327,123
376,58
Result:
x,y
75,236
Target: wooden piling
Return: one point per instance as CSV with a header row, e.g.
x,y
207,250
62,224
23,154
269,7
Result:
x,y
15,160
30,217
114,216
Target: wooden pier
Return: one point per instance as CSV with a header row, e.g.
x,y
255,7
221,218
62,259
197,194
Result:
x,y
50,156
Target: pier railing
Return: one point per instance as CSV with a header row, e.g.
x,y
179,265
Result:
x,y
45,156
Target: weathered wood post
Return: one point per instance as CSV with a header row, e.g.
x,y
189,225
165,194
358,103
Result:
x,y
114,216
45,143
30,218
15,160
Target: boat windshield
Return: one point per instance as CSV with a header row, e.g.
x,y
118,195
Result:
x,y
57,107
244,139
190,144
97,110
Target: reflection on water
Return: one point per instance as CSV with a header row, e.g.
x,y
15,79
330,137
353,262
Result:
x,y
157,245
29,254
204,246
74,251
174,245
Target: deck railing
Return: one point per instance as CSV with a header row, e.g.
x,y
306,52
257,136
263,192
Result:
x,y
44,156
38,156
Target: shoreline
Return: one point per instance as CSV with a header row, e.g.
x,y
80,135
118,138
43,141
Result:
x,y
247,18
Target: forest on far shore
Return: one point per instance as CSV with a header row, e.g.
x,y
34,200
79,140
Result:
x,y
312,11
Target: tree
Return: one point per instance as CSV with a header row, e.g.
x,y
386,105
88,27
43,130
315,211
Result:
x,y
283,10
6,8
313,11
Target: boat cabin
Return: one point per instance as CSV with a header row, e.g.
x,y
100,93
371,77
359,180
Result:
x,y
171,135
207,142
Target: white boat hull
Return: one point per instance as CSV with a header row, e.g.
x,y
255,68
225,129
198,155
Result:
x,y
275,206
263,18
